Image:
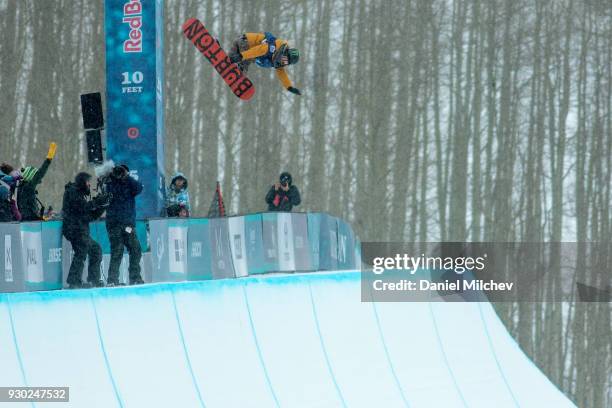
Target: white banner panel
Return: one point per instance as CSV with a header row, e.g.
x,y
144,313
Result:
x,y
32,255
8,259
286,255
177,249
238,245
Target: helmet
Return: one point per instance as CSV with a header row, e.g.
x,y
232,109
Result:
x,y
285,177
293,55
28,173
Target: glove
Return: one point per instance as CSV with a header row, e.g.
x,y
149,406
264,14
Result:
x,y
51,153
235,58
294,90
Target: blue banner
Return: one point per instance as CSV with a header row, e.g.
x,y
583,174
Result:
x,y
199,257
34,254
51,234
237,245
159,102
97,232
346,246
141,234
314,228
31,244
134,95
301,246
357,254
254,243
177,248
270,242
159,251
222,265
11,259
284,231
328,243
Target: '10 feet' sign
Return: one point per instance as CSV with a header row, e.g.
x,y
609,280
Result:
x,y
134,95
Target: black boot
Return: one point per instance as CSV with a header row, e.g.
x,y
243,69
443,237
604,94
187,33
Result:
x,y
75,285
137,281
98,284
79,285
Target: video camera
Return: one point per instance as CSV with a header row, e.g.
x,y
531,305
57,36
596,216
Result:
x,y
103,173
102,200
108,171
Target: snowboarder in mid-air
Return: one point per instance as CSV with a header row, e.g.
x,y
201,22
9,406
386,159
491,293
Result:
x,y
268,52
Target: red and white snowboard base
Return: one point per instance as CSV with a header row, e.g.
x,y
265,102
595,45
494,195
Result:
x,y
240,85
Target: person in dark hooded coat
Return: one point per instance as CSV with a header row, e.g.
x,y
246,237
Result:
x,y
8,183
177,196
121,225
78,211
5,205
283,195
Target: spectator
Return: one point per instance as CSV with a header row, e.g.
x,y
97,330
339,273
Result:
x,y
28,203
183,212
6,215
9,178
283,195
78,211
121,224
177,196
6,168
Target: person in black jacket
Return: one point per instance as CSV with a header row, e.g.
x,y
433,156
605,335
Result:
x,y
78,211
8,183
27,199
283,195
121,224
5,205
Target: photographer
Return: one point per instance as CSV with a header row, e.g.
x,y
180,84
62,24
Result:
x,y
78,211
283,195
121,224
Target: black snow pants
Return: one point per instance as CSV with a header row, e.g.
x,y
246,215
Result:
x,y
121,236
83,246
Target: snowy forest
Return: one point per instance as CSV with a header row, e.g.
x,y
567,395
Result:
x,y
467,120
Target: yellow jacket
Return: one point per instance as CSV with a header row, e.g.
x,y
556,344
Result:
x,y
257,49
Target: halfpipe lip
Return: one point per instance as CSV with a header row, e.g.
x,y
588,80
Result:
x,y
159,287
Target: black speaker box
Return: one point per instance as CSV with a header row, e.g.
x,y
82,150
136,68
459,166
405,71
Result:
x,y
91,107
94,146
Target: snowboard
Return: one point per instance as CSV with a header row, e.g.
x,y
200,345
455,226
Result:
x,y
240,85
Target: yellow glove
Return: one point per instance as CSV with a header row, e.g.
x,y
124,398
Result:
x,y
51,153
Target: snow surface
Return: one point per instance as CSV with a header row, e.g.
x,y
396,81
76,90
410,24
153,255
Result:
x,y
303,340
